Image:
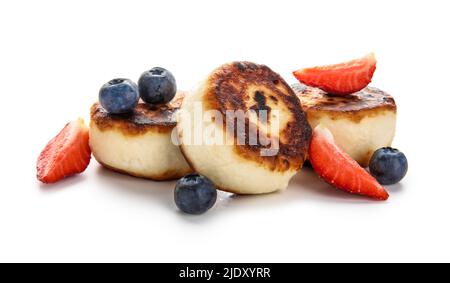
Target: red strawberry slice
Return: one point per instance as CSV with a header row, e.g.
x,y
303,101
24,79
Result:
x,y
339,170
66,154
340,79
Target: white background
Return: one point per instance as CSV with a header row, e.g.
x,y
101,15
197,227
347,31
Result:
x,y
55,55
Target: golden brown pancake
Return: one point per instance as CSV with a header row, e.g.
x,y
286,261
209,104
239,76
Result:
x,y
240,168
361,122
139,143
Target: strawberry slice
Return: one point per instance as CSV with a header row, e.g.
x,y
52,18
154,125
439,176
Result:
x,y
339,170
340,79
66,154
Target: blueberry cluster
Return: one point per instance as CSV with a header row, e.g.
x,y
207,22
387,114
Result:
x,y
156,86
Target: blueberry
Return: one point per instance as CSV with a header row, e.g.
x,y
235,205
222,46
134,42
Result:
x,y
119,96
157,86
195,194
388,165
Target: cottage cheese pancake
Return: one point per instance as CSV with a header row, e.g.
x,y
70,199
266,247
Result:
x,y
139,143
360,123
241,167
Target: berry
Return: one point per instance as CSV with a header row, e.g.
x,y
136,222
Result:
x,y
157,86
340,79
388,165
338,169
195,194
66,154
119,96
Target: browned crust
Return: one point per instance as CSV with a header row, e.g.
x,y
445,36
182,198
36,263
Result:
x,y
228,88
145,118
368,102
354,116
166,176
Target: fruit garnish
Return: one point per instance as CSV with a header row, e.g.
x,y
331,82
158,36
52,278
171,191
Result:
x,y
195,194
66,154
157,86
388,165
340,79
338,169
119,96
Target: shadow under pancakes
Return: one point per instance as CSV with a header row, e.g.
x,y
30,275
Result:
x,y
275,199
312,187
305,186
162,192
